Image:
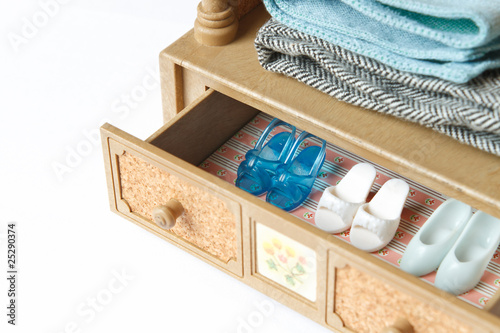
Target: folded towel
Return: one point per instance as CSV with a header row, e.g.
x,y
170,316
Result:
x,y
468,112
404,39
458,23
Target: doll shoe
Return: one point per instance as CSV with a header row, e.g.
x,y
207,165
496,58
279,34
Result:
x,y
338,204
255,172
464,265
434,240
376,222
295,178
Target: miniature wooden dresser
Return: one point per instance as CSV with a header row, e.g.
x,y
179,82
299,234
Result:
x,y
209,94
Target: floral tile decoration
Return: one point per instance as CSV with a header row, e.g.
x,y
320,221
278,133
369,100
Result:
x,y
286,261
421,202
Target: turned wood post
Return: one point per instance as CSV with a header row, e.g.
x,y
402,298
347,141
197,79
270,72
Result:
x,y
216,24
214,6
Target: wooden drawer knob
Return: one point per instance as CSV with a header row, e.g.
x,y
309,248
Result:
x,y
401,325
165,215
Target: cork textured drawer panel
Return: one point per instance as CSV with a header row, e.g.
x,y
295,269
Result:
x,y
325,278
365,302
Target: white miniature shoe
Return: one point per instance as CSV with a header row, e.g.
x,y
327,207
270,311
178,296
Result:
x,y
434,240
338,204
464,265
376,222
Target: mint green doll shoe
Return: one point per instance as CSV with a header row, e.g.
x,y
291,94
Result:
x,y
464,265
434,240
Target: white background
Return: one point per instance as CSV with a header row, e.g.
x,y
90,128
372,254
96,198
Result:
x,y
59,81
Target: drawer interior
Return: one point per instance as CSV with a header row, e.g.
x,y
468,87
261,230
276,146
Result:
x,y
216,135
195,135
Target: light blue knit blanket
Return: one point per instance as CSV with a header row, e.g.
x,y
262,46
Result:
x,y
452,39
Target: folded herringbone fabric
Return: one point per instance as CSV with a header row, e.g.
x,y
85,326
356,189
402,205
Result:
x,y
454,40
468,112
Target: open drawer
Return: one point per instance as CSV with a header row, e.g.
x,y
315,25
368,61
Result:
x,y
333,283
144,175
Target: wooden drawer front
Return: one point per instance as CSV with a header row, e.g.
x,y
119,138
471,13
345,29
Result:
x,y
208,221
141,176
364,298
210,226
368,304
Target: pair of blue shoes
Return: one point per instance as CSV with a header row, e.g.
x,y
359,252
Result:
x,y
276,168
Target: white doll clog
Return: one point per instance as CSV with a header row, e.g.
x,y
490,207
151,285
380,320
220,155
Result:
x,y
338,204
376,222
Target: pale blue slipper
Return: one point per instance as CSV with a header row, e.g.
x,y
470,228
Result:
x,y
434,240
464,265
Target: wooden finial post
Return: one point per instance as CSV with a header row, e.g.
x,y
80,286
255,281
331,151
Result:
x,y
214,6
216,24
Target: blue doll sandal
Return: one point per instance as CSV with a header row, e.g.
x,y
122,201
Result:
x,y
295,178
255,172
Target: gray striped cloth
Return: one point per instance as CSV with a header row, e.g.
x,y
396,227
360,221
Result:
x,y
468,112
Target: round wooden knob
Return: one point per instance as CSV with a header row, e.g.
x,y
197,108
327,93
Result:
x,y
166,215
401,325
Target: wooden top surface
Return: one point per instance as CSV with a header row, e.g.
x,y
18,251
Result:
x,y
433,159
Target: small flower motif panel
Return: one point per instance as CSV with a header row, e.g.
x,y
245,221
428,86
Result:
x,y
286,262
